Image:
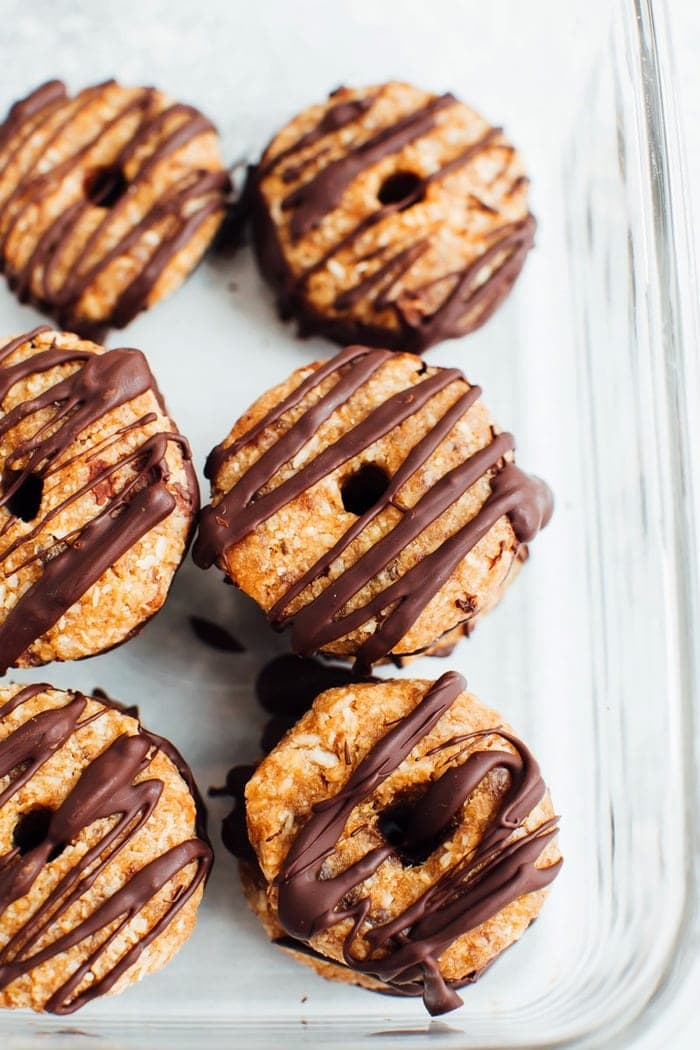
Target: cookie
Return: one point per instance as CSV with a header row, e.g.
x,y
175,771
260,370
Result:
x,y
255,893
403,832
108,199
285,688
97,497
103,849
369,504
390,216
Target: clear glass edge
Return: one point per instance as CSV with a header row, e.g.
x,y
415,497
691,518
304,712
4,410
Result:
x,y
676,284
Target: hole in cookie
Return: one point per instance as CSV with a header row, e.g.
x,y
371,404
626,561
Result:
x,y
395,824
24,500
105,186
364,488
401,188
31,830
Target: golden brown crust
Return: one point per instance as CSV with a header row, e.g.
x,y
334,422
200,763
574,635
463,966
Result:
x,y
108,199
172,821
382,257
135,586
278,551
313,762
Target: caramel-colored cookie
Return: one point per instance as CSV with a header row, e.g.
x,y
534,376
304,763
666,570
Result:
x,y
403,831
103,850
369,503
390,216
108,199
97,497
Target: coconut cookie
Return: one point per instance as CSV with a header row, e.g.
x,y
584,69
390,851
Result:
x,y
97,497
108,199
285,688
369,504
391,216
404,837
103,849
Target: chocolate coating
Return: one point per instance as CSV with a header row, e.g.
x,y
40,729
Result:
x,y
405,950
525,499
102,383
104,789
468,299
190,201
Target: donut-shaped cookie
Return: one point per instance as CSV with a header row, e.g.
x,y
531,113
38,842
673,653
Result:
x,y
103,849
390,216
369,504
403,832
97,497
108,199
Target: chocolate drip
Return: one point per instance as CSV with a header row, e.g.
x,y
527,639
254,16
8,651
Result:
x,y
384,278
105,789
470,294
34,741
526,500
168,749
410,988
187,204
72,564
471,298
398,264
500,870
218,456
21,697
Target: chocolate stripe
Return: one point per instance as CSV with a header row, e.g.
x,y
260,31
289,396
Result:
x,y
102,383
416,457
106,788
314,199
337,116
36,279
466,895
472,295
526,500
244,515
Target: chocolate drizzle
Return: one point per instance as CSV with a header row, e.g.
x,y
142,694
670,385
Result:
x,y
187,203
470,295
404,951
322,620
73,563
314,199
336,117
409,989
105,789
